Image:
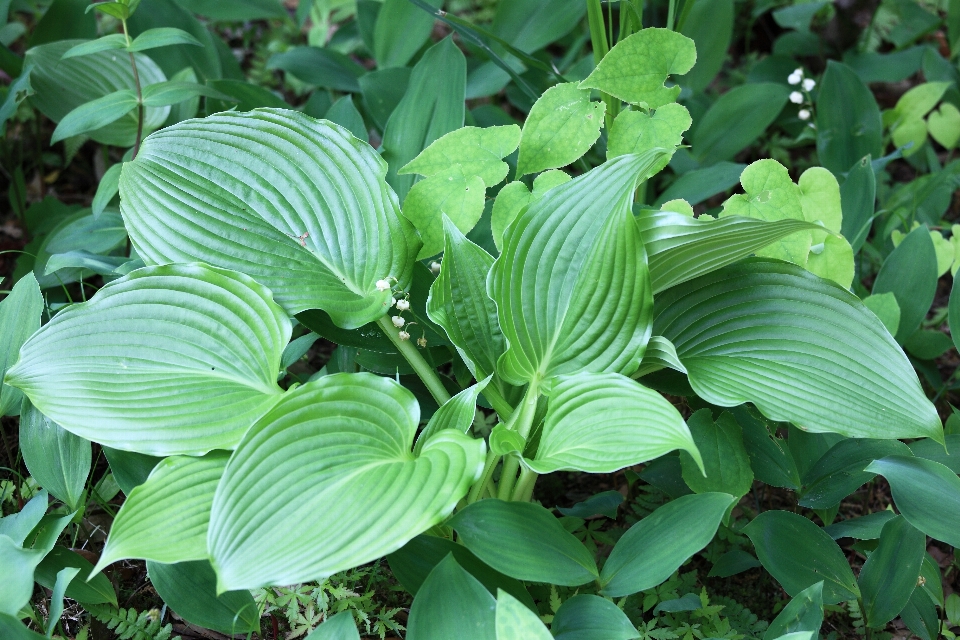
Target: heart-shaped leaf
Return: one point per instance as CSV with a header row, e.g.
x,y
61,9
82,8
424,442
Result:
x,y
299,204
572,286
513,197
480,151
636,131
562,126
453,194
944,125
343,435
166,360
602,422
800,348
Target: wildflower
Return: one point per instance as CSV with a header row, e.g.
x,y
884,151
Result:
x,y
422,342
803,114
383,285
795,78
403,305
809,84
398,321
796,97
435,267
404,335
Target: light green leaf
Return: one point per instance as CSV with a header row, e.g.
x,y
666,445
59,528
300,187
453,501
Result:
x,y
832,259
19,565
515,621
910,274
798,554
600,423
176,91
337,627
505,441
636,68
457,413
190,589
589,617
451,603
514,196
364,425
660,353
562,125
889,576
17,526
459,303
20,315
725,466
480,151
95,114
58,460
801,349
162,37
324,247
651,550
453,194
803,613
64,577
109,187
885,307
180,488
636,131
107,369
572,286
919,101
926,493
106,43
944,125
524,541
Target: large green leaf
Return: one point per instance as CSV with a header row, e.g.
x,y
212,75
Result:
x,y
299,204
589,617
656,546
180,488
799,554
800,348
344,441
889,575
19,316
60,86
709,23
926,493
572,286
848,119
401,29
600,423
97,590
524,541
452,604
726,465
174,359
58,460
190,589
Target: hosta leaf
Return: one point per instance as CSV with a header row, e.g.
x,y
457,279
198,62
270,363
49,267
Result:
x,y
166,360
58,460
636,68
299,204
563,124
180,488
480,151
457,413
20,314
660,353
600,423
513,197
459,303
342,433
636,131
454,195
572,286
798,347
515,621
680,248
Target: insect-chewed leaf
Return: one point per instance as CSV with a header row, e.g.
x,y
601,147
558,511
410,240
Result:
x,y
180,489
800,348
166,360
343,442
602,422
299,204
479,150
572,285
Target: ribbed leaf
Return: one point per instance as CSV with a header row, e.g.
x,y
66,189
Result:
x,y
800,348
299,204
572,286
179,489
343,442
167,360
457,413
680,248
660,353
600,423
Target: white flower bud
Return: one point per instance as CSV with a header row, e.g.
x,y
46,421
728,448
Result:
x,y
398,321
435,267
794,78
796,97
798,71
404,335
393,301
422,342
809,84
803,114
383,285
403,304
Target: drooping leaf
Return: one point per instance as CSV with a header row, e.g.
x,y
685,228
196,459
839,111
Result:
x,y
948,456
514,621
770,456
725,466
58,460
600,423
637,67
889,576
572,286
656,546
910,274
451,603
800,348
19,316
798,554
95,114
866,527
106,370
588,617
323,247
190,589
660,354
364,425
803,613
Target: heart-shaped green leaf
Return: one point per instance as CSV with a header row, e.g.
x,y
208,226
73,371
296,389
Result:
x,y
345,442
602,422
636,131
166,360
480,151
563,124
944,125
513,197
453,194
572,286
800,348
299,204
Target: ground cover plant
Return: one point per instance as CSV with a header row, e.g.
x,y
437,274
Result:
x,y
528,319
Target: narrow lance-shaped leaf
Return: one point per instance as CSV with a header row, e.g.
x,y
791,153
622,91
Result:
x,y
58,460
162,37
343,432
175,359
299,204
20,317
457,413
889,576
106,43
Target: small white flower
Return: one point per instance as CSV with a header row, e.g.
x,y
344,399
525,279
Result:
x,y
398,321
435,267
798,71
794,78
393,301
403,305
404,335
809,84
422,342
796,97
803,114
383,285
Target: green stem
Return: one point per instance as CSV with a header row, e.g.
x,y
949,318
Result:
x,y
524,489
671,13
136,81
492,393
598,39
413,357
476,491
522,423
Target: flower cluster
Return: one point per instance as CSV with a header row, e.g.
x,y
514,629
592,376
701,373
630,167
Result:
x,y
796,97
402,304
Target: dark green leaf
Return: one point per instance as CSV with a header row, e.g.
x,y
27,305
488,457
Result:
x,y
889,576
345,114
723,131
770,457
733,562
857,197
20,313
319,67
530,25
803,613
162,37
236,10
95,114
106,43
58,460
866,527
848,119
587,617
910,274
64,19
401,29
604,503
709,24
129,469
96,590
383,90
932,450
725,460
452,604
176,91
840,471
698,185
190,589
